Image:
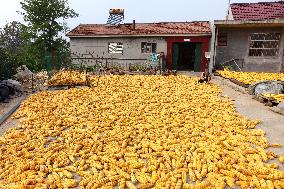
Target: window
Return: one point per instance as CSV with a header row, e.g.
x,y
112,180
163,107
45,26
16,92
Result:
x,y
115,48
222,39
148,47
264,44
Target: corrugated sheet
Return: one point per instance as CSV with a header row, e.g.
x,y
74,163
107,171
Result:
x,y
258,11
142,29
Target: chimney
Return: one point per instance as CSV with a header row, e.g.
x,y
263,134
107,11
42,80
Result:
x,y
134,25
116,17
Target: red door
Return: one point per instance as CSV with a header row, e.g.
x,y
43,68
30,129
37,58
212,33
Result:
x,y
204,40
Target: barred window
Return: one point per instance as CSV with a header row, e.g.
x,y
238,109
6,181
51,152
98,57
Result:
x,y
115,48
148,47
264,44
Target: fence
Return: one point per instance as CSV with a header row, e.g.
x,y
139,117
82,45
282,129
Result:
x,y
232,64
154,64
92,63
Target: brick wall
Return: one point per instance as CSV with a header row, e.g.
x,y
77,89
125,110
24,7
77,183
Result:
x,y
238,48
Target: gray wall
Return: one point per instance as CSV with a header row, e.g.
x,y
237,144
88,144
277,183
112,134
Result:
x,y
238,48
131,49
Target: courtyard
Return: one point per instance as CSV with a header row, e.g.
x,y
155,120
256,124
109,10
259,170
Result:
x,y
143,132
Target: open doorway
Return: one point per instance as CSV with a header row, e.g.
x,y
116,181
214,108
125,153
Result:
x,y
187,56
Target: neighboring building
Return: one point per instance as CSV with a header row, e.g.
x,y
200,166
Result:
x,y
252,36
183,43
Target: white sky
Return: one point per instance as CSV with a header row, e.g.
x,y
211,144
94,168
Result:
x,y
96,11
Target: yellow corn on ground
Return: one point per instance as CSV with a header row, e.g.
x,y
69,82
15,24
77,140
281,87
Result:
x,y
281,159
152,131
250,77
277,97
67,77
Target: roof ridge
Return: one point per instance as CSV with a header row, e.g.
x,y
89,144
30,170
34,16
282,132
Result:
x,y
204,21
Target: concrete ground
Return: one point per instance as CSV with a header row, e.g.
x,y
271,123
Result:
x,y
272,123
10,123
5,107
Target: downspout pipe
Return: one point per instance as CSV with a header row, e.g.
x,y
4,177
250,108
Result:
x,y
214,47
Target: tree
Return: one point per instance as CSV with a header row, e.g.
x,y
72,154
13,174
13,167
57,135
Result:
x,y
13,41
7,68
12,36
46,22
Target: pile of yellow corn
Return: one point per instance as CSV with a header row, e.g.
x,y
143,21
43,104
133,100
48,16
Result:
x,y
277,97
67,77
250,77
136,132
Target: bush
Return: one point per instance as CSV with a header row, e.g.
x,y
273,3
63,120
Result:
x,y
8,65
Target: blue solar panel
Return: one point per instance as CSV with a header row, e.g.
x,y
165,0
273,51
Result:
x,y
115,19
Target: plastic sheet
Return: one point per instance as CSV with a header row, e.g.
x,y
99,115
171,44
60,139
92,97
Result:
x,y
266,87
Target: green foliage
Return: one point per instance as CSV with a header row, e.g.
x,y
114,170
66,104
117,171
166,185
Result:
x,y
12,36
229,67
46,23
137,68
38,42
12,43
46,19
7,65
18,49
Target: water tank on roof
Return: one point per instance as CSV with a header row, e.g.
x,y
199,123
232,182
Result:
x,y
116,11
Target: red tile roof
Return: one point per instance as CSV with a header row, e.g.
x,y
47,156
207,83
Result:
x,y
258,11
164,28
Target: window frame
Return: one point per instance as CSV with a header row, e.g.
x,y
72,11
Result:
x,y
147,44
117,43
262,42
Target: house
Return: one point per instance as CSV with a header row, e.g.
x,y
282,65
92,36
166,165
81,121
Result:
x,y
252,36
184,44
